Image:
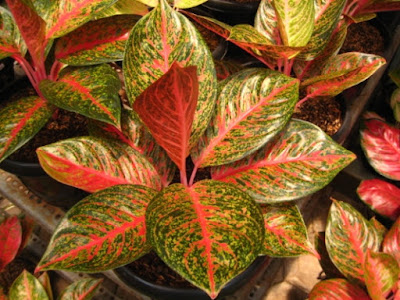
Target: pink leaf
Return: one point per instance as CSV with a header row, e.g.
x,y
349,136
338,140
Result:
x,y
10,240
337,289
391,242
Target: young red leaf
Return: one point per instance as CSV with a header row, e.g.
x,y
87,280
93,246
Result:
x,y
10,240
337,289
11,42
167,108
391,242
83,289
382,196
103,231
27,286
381,145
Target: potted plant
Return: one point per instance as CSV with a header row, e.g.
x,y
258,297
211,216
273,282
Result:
x,y
239,132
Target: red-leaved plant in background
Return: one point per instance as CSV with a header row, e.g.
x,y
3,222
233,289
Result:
x,y
46,37
240,131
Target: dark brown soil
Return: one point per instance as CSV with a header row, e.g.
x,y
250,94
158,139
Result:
x,y
12,271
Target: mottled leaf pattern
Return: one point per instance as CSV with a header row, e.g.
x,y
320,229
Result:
x,y
187,3
226,68
83,289
337,289
208,232
159,39
10,240
93,164
348,236
302,160
252,107
20,121
379,227
103,231
123,7
327,265
266,22
382,196
95,42
381,145
10,38
44,280
391,242
90,91
285,231
26,286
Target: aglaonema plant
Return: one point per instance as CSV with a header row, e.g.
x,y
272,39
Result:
x,y
63,52
239,131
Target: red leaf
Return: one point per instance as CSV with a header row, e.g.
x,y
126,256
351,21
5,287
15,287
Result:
x,y
381,196
391,242
10,240
337,289
167,108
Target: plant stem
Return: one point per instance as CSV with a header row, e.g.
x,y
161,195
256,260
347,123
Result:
x,y
193,175
55,69
300,102
288,64
28,70
184,180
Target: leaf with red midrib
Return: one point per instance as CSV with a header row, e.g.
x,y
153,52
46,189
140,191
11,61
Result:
x,y
83,289
167,108
10,240
337,289
27,286
391,242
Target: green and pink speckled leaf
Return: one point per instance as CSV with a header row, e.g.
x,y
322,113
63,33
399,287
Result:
x,y
348,236
83,289
300,161
266,22
96,42
381,145
327,265
159,39
337,289
252,107
10,240
380,228
11,42
208,233
44,280
93,164
167,108
90,91
123,7
381,273
285,231
20,121
391,242
26,286
103,231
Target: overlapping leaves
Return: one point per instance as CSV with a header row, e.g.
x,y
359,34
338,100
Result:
x,y
10,38
27,286
83,289
337,289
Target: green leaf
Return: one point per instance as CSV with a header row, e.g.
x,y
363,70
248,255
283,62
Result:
x,y
103,231
395,76
151,3
208,233
266,22
395,104
44,280
391,242
187,3
96,42
26,286
337,289
90,91
348,236
93,164
285,231
20,120
159,39
300,161
253,106
83,289
326,263
11,41
123,7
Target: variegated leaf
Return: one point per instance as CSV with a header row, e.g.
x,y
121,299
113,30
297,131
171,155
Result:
x,y
380,228
208,233
44,280
103,231
395,104
300,161
93,164
90,91
187,3
337,289
167,108
395,76
226,68
285,231
83,289
20,121
382,196
391,242
341,72
151,3
266,22
381,143
348,236
159,39
327,265
10,240
11,42
96,42
381,273
123,7
26,286
253,106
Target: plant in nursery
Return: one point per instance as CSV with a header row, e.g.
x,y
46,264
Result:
x,y
239,132
63,52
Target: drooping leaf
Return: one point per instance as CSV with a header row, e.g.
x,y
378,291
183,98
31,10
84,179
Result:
x,y
285,231
123,7
337,289
20,121
381,273
10,37
93,164
90,91
266,22
348,236
208,233
325,261
381,143
10,240
26,286
253,106
300,161
44,280
167,108
391,242
395,104
96,42
159,39
83,289
103,231
382,196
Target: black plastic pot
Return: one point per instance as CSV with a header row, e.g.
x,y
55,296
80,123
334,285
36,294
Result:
x,y
159,292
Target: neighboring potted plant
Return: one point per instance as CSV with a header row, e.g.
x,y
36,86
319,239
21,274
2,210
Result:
x,y
239,132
